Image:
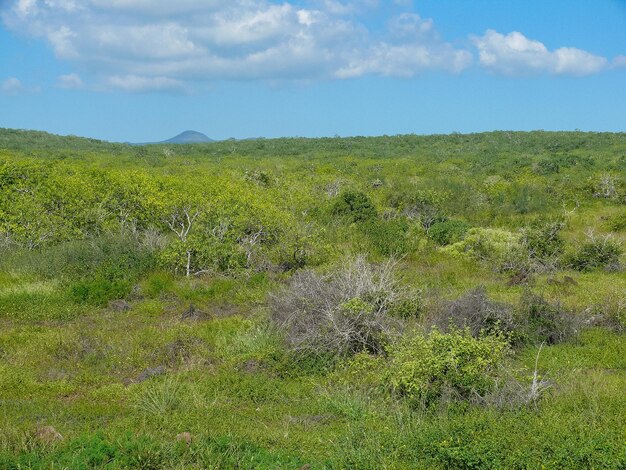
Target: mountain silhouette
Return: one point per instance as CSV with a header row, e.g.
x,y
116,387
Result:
x,y
188,137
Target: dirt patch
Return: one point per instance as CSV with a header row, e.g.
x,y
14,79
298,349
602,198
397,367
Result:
x,y
119,306
194,313
150,372
224,311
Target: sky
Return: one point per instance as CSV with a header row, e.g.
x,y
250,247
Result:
x,y
145,70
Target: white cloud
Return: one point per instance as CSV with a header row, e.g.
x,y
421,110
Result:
x,y
12,86
138,45
71,80
415,48
335,7
134,83
142,45
515,54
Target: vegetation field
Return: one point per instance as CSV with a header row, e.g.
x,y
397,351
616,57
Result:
x,y
401,302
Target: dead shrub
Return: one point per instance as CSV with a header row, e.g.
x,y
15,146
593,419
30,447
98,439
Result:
x,y
533,320
343,312
178,352
541,321
610,313
473,311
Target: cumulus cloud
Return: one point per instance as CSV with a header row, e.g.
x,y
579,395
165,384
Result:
x,y
134,83
148,45
138,45
346,8
515,54
71,80
416,47
14,86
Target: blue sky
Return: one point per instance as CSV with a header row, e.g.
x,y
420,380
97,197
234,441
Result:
x,y
144,70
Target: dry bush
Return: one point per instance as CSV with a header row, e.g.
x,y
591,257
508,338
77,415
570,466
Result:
x,y
343,312
475,312
615,311
542,321
610,312
534,320
511,393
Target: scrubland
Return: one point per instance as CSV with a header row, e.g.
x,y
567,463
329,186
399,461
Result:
x,y
453,301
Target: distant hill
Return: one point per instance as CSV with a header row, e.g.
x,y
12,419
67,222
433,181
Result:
x,y
188,137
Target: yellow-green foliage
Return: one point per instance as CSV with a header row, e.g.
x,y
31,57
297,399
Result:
x,y
501,248
423,367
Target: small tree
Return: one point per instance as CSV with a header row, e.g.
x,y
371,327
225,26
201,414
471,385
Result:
x,y
428,206
180,221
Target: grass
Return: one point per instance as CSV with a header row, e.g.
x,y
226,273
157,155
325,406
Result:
x,y
81,375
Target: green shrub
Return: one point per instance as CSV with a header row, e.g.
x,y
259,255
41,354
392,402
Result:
x,y
617,223
598,252
99,290
525,199
448,232
157,283
428,206
543,240
423,368
499,248
260,177
355,206
547,166
206,254
113,278
80,258
409,307
388,237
